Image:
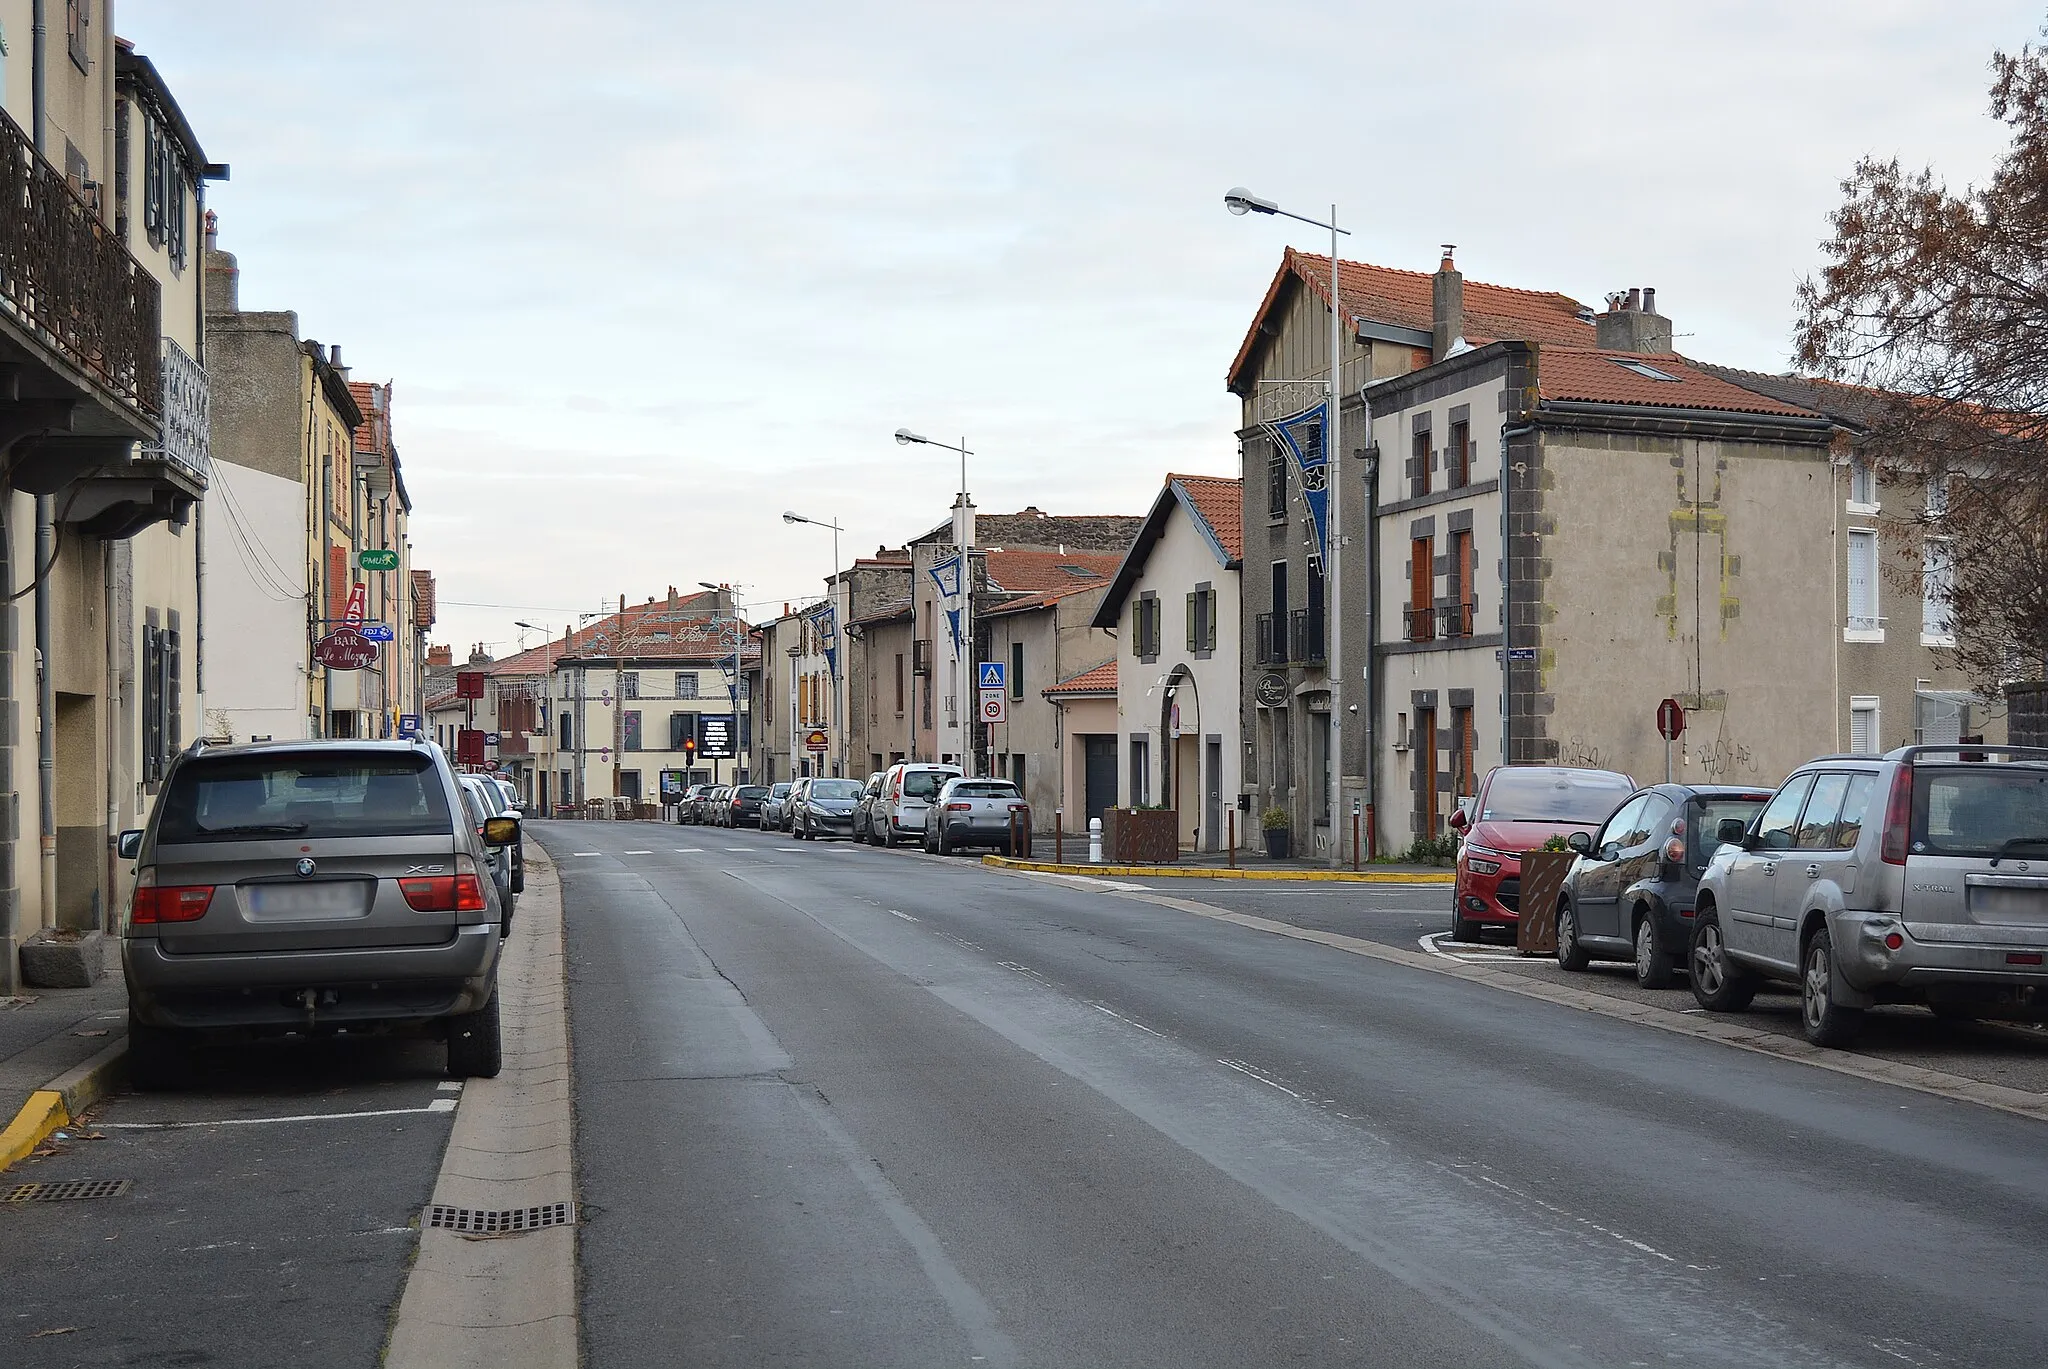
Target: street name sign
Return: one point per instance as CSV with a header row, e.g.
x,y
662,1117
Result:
x,y
995,705
377,558
345,649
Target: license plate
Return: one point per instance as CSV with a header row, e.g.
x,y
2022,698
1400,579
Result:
x,y
327,898
2024,906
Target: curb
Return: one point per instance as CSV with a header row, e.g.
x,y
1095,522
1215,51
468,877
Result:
x,y
56,1103
1202,872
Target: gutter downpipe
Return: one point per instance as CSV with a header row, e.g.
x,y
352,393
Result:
x,y
1372,626
1507,587
46,537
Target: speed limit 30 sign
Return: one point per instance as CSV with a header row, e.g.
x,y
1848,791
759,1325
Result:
x,y
995,705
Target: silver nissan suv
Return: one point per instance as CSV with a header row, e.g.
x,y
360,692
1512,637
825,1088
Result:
x,y
1920,876
310,887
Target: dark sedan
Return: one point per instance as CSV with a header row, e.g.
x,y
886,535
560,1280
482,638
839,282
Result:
x,y
743,804
1630,893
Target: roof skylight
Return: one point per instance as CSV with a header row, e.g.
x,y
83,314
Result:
x,y
1644,369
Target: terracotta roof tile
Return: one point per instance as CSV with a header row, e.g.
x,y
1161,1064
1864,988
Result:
x,y
1589,374
1032,571
1046,597
1100,680
1220,502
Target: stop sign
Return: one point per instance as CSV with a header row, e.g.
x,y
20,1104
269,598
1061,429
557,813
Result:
x,y
1670,720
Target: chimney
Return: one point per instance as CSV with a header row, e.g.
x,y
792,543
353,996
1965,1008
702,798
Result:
x,y
212,231
1446,306
441,657
1632,323
671,598
334,356
478,656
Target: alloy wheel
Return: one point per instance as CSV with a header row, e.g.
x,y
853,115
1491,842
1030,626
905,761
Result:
x,y
1646,949
1813,985
1706,959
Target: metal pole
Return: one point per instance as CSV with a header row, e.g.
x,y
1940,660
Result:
x,y
839,651
1230,822
969,682
1333,451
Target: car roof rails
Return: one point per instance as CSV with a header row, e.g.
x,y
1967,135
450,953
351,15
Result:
x,y
1910,755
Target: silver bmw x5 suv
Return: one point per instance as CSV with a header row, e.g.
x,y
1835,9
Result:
x,y
1920,876
307,887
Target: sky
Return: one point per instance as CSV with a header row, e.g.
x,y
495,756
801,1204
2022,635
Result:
x,y
647,273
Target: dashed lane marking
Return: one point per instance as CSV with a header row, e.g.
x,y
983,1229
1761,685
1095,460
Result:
x,y
436,1105
586,853
639,853
689,850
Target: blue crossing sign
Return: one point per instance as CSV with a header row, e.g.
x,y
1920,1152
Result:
x,y
994,674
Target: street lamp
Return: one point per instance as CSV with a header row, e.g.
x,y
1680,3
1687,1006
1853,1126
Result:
x,y
839,651
737,678
1240,201
964,653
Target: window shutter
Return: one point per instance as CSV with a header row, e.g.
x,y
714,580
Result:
x,y
152,705
174,710
1863,731
1209,620
1862,580
1194,640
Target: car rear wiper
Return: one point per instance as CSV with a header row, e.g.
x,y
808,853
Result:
x,y
2006,849
254,829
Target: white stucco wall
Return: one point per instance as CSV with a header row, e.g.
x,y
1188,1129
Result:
x,y
254,571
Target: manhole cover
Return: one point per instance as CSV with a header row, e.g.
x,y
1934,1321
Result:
x,y
68,1191
476,1221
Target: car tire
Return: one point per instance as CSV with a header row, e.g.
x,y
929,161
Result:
x,y
1570,954
1826,1022
1462,928
476,1044
158,1058
945,847
1654,969
1718,983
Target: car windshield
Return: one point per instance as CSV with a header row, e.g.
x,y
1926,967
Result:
x,y
1582,797
250,798
835,789
1702,834
923,784
983,789
1980,810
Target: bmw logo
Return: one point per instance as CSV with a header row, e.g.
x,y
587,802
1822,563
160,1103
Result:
x,y
306,867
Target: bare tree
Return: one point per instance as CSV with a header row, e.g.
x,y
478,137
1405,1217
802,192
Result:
x,y
1937,302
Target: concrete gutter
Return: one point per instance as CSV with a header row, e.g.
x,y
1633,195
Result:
x,y
58,1102
1225,872
506,1302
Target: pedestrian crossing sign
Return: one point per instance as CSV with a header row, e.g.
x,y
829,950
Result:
x,y
992,674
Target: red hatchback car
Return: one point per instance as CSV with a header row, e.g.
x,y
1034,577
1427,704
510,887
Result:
x,y
1517,809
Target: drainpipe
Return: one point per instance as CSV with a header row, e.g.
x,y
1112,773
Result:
x,y
46,702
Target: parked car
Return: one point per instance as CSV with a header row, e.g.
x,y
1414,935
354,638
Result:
x,y
908,787
479,801
1517,809
704,809
308,886
769,819
972,812
1920,876
743,805
686,807
864,811
493,793
1629,895
513,803
823,807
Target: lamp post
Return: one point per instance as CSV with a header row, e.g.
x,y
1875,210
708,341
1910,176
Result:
x,y
839,650
1241,201
964,653
547,746
737,678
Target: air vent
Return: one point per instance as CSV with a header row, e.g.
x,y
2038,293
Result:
x,y
513,1221
67,1191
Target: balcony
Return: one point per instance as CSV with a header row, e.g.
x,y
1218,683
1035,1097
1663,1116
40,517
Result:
x,y
1455,620
1269,640
72,298
1305,637
921,656
1418,624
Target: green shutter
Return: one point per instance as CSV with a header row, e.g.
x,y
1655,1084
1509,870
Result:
x,y
1194,638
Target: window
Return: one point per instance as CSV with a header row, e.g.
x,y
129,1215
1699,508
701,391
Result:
x,y
1141,771
1464,744
1817,823
1937,583
162,701
1421,589
163,191
1863,733
1459,616
629,684
1863,618
1202,619
1418,465
1276,484
1458,457
1620,830
1426,810
247,798
1645,370
1779,825
1145,626
78,31
1016,670
1937,496
899,684
686,684
1862,484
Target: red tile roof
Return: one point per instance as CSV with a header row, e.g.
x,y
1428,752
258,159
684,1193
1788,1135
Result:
x,y
1100,680
1046,597
650,631
1383,294
1588,374
375,433
1220,503
1032,571
426,601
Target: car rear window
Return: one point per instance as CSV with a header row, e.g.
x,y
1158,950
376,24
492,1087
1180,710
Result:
x,y
1712,812
984,791
1979,810
259,798
835,789
924,784
1581,796
753,791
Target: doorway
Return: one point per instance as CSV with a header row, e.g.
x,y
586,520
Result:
x,y
81,813
1212,794
1098,780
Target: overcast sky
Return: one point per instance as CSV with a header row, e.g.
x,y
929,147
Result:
x,y
648,272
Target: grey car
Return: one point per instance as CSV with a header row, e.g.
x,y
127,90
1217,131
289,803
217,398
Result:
x,y
1920,876
823,807
772,802
976,812
499,800
864,810
478,802
307,887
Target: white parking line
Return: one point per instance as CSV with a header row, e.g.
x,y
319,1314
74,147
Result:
x,y
586,853
1432,942
437,1105
639,853
689,850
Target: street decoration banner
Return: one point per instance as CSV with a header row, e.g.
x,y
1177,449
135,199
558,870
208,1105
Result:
x,y
1301,435
824,621
946,575
953,626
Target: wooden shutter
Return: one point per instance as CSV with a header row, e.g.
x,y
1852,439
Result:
x,y
337,581
1421,586
1208,620
1194,637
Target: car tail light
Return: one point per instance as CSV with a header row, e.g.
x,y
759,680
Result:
x,y
1892,941
443,893
1020,808
959,808
2022,957
172,903
1898,817
1674,851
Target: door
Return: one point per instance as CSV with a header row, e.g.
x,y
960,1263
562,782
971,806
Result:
x,y
1753,876
1814,857
1212,796
1426,810
1640,858
1596,882
1099,774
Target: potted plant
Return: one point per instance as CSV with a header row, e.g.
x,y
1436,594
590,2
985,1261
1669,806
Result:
x,y
1278,838
1543,872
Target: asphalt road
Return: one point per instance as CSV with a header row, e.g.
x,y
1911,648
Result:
x,y
852,1107
270,1218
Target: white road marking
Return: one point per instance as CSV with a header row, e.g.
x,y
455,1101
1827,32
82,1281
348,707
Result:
x,y
639,853
742,848
586,853
436,1105
1587,1222
1121,1018
1242,1068
450,1086
905,916
1431,942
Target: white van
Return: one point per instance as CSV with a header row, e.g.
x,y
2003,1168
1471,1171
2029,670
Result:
x,y
908,788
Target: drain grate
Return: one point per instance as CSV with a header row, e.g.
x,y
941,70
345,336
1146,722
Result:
x,y
68,1191
476,1221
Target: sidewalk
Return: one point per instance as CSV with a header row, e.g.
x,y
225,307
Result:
x,y
1216,865
57,1049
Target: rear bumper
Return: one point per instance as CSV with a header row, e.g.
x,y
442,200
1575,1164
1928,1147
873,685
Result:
x,y
1940,962
382,984
977,834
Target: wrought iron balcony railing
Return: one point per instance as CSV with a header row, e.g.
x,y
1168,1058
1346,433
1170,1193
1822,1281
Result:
x,y
68,280
1269,639
1305,636
1455,620
1420,623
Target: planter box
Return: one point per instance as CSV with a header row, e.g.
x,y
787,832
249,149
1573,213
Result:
x,y
1543,875
1279,843
1140,836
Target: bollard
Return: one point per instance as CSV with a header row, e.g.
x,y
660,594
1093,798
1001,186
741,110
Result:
x,y
1232,820
1354,834
1059,837
1095,841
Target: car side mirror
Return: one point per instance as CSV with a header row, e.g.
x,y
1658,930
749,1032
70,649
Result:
x,y
1731,831
1459,822
1579,841
1611,851
501,831
130,844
